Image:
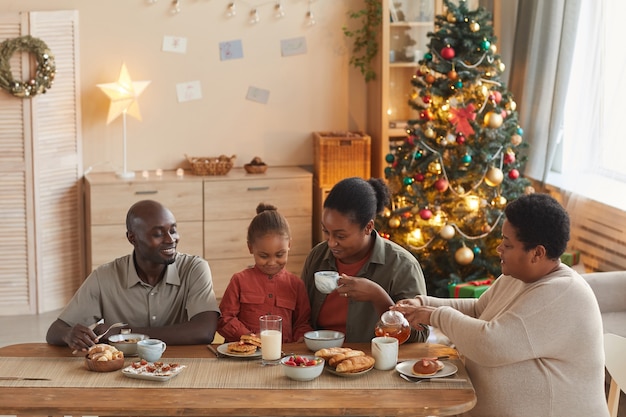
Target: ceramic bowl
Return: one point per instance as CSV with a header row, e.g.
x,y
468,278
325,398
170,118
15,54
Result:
x,y
104,366
127,343
326,281
323,339
302,372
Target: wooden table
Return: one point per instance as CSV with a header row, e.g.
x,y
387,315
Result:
x,y
46,399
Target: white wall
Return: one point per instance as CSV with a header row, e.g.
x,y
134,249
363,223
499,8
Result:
x,y
311,92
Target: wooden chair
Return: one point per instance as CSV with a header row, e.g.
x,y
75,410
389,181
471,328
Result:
x,y
615,362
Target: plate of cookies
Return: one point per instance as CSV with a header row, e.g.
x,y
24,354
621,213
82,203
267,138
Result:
x,y
346,362
426,368
248,346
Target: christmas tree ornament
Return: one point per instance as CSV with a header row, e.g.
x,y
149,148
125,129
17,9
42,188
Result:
x,y
428,56
486,228
514,174
501,66
447,232
516,140
509,157
390,158
520,131
476,250
461,117
427,115
443,142
485,45
474,27
498,202
429,132
458,84
452,75
425,214
386,212
464,256
466,159
418,154
451,18
460,138
423,70
407,181
441,184
493,48
419,177
434,167
447,52
394,222
511,105
426,99
429,78
493,120
497,96
407,214
494,176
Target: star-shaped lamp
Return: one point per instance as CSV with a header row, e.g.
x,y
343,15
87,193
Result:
x,y
123,95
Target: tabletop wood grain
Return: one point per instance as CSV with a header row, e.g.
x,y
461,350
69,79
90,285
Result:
x,y
120,401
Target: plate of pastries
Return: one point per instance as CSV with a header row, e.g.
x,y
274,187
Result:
x,y
426,368
346,362
248,346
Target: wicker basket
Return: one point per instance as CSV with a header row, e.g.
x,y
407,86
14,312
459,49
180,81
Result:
x,y
210,165
338,155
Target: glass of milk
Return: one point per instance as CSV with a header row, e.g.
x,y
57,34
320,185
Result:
x,y
271,329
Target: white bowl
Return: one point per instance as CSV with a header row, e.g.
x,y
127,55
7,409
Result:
x,y
323,339
301,372
127,343
326,281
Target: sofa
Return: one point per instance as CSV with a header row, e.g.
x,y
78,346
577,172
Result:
x,y
610,290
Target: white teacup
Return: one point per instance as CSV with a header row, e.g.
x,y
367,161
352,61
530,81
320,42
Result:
x,y
326,281
385,352
151,349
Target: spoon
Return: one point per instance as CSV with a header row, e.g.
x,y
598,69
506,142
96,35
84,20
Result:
x,y
114,325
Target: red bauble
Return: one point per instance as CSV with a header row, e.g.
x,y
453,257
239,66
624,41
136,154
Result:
x,y
406,214
513,174
419,177
447,53
460,138
509,157
441,184
426,99
426,115
497,96
426,214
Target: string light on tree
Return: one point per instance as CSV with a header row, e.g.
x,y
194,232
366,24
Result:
x,y
463,157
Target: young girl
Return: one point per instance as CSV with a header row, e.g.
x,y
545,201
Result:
x,y
266,288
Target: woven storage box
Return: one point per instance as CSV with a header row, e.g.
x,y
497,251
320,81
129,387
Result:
x,y
210,165
339,155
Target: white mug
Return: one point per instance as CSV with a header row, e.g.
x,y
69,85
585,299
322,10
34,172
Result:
x,y
151,349
326,281
385,352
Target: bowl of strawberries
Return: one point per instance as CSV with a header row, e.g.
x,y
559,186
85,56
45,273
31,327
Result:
x,y
302,367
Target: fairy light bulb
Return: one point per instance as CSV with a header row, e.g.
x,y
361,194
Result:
x,y
175,7
231,10
254,16
279,12
310,19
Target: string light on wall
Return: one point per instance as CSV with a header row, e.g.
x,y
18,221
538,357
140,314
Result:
x,y
254,14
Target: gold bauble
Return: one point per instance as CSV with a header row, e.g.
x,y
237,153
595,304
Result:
x,y
516,140
498,202
494,176
474,26
451,18
493,120
434,167
486,228
447,232
493,48
511,105
424,70
386,212
501,66
464,256
394,222
429,133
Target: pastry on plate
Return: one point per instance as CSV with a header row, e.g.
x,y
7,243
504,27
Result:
x,y
427,367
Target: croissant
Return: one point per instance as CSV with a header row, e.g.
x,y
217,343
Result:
x,y
355,364
335,359
328,353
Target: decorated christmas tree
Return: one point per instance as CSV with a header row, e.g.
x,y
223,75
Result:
x,y
461,160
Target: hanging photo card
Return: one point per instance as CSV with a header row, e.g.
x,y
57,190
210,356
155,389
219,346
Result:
x,y
188,91
258,94
175,44
294,46
231,50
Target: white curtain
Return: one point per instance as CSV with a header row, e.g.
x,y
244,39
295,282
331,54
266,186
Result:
x,y
544,44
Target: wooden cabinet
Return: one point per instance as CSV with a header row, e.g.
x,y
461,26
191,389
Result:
x,y
403,42
213,214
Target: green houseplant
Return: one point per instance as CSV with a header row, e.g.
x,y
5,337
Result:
x,y
365,46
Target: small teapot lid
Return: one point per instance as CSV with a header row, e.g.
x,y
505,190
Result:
x,y
393,318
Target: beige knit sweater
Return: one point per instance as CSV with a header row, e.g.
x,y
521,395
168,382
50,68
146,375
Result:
x,y
530,349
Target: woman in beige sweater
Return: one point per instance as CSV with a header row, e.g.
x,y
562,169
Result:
x,y
533,342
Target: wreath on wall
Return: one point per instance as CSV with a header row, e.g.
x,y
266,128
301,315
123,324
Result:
x,y
44,74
